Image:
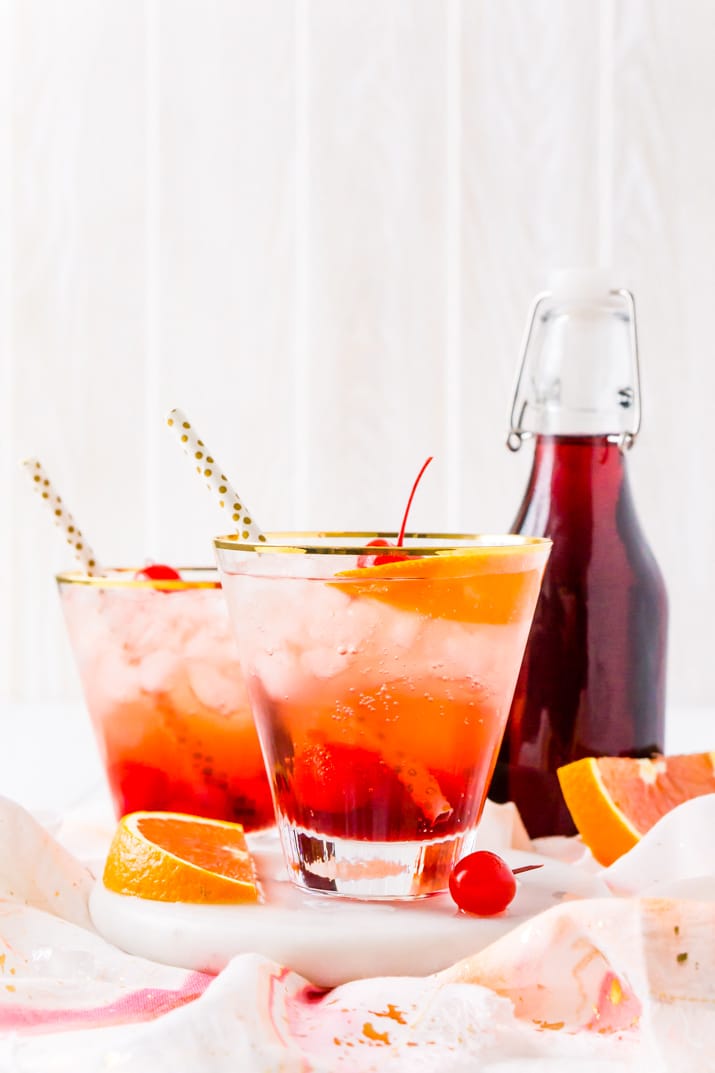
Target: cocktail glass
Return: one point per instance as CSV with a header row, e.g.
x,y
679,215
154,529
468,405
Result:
x,y
380,694
161,679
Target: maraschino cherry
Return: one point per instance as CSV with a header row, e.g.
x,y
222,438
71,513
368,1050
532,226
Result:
x,y
483,884
380,542
158,572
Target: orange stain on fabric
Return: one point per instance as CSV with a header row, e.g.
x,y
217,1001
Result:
x,y
371,1033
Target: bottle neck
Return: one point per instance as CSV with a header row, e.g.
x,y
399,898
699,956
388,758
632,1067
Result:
x,y
576,475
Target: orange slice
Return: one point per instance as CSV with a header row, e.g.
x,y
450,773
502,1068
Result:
x,y
615,800
491,585
170,857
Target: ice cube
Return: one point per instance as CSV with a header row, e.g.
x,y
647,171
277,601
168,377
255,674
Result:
x,y
326,661
401,630
156,670
278,670
217,686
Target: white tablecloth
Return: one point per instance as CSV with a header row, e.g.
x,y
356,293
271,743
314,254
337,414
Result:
x,y
621,984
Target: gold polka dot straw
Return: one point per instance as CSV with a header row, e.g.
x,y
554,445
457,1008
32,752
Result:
x,y
62,517
216,480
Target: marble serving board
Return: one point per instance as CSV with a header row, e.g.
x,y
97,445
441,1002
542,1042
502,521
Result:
x,y
329,940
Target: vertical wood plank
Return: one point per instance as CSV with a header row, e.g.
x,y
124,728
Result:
x,y
664,234
377,261
77,208
530,156
152,274
7,409
301,255
227,259
454,290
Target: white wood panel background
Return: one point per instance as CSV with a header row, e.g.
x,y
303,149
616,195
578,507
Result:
x,y
317,226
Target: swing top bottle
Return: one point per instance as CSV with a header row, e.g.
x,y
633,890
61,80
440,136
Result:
x,y
593,677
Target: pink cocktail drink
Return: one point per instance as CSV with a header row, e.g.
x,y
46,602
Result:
x,y
165,693
380,694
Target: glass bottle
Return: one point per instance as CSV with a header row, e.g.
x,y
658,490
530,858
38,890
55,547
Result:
x,y
593,677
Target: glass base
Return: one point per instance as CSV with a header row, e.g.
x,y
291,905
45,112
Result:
x,y
358,869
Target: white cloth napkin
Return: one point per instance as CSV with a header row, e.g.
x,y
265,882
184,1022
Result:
x,y
615,984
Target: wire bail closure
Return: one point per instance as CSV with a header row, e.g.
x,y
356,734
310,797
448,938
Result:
x,y
630,396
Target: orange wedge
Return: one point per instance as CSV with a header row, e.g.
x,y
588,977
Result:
x,y
490,584
170,857
615,800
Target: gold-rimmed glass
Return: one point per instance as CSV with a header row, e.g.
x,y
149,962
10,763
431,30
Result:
x,y
163,686
361,542
380,693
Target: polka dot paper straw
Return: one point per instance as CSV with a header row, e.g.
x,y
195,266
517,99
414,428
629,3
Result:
x,y
62,517
216,481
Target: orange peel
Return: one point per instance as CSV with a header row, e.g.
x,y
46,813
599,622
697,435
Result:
x,y
172,857
615,800
487,585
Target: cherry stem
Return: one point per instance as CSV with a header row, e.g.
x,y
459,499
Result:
x,y
418,478
525,868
